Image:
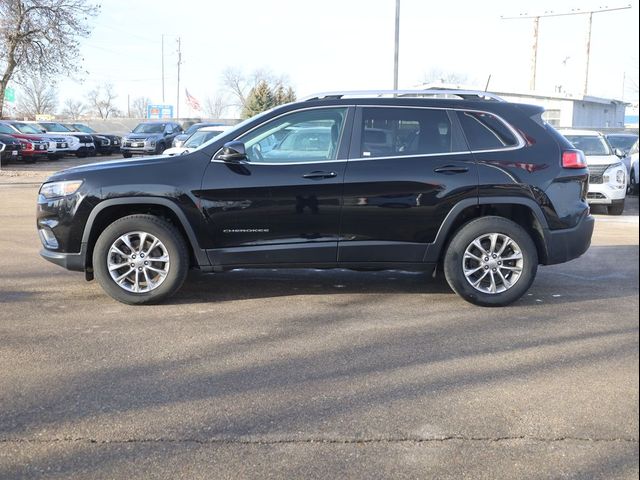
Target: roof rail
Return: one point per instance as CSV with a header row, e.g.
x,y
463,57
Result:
x,y
427,92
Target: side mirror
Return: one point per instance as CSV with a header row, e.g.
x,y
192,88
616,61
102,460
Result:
x,y
232,152
619,153
43,130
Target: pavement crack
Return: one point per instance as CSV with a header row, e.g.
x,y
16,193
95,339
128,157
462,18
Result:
x,y
318,440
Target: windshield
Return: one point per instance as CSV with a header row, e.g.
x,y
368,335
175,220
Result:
x,y
83,128
589,144
26,128
623,142
54,127
199,138
150,128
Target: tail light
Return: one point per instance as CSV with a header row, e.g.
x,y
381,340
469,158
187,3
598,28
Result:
x,y
573,159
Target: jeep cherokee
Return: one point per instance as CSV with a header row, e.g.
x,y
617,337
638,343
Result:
x,y
480,188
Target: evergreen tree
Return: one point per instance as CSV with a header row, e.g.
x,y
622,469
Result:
x,y
260,98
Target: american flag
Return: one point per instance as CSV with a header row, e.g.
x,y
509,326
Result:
x,y
192,101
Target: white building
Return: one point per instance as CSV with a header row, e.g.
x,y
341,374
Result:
x,y
575,112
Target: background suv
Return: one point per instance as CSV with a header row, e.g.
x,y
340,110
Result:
x,y
607,172
478,188
149,138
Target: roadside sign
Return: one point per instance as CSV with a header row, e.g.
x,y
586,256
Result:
x,y
9,95
44,117
158,112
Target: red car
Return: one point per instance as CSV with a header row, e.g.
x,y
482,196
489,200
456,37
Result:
x,y
34,147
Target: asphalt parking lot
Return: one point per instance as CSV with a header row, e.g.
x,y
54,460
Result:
x,y
316,374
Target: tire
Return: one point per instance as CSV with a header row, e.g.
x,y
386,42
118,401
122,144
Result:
x,y
616,208
455,261
160,148
172,245
633,186
81,154
127,154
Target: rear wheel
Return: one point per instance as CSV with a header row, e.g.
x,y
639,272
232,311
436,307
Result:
x,y
140,259
491,262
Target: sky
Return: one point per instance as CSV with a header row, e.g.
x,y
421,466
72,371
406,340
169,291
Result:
x,y
348,45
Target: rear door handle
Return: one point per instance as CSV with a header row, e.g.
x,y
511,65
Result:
x,y
319,175
451,169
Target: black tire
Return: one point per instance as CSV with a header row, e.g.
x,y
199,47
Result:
x,y
453,261
616,208
160,147
127,154
633,186
165,232
81,154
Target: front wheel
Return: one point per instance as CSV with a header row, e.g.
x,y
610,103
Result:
x,y
633,185
127,154
491,262
140,259
616,208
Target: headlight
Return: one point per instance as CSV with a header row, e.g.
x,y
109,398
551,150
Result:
x,y
616,173
60,189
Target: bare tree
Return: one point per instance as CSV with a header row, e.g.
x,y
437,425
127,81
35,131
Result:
x,y
214,107
37,97
239,84
139,107
101,99
74,109
436,75
33,33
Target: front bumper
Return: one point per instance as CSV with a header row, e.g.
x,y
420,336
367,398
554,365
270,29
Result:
x,y
569,243
604,194
70,261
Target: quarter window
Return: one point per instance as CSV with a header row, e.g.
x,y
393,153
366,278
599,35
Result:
x,y
396,132
305,136
486,132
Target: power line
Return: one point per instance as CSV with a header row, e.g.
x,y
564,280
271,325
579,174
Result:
x,y
574,11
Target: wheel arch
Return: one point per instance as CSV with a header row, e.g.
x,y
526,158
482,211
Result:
x,y
523,211
108,211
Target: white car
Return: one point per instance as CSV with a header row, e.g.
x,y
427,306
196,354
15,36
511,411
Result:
x,y
635,169
80,144
607,173
58,145
201,136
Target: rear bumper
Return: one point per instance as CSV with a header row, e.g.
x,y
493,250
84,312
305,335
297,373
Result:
x,y
567,244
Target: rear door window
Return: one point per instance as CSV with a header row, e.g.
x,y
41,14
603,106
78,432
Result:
x,y
397,132
485,131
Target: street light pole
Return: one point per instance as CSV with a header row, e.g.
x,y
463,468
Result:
x,y
397,47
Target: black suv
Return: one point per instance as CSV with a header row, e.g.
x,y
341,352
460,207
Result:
x,y
481,188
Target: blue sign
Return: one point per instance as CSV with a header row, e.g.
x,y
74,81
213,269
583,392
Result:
x,y
158,112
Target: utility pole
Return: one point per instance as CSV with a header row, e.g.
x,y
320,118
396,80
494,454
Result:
x,y
534,59
163,68
178,92
397,47
574,11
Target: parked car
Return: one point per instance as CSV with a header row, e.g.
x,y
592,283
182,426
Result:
x,y
635,169
106,143
57,146
9,149
179,140
149,138
201,136
33,147
607,173
479,187
81,144
622,141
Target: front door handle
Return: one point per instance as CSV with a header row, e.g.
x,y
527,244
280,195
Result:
x,y
451,169
319,175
